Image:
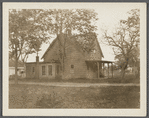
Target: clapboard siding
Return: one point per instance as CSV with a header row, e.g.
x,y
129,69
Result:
x,y
29,70
52,54
74,57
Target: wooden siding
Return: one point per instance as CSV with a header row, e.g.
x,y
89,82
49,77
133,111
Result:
x,y
53,53
31,74
75,58
97,55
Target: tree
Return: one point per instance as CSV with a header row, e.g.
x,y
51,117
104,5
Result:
x,y
28,29
125,40
25,34
67,24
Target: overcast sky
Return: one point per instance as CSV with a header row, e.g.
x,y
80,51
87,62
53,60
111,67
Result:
x,y
109,16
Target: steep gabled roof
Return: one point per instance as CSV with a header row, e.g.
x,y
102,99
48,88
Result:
x,y
50,46
71,42
99,48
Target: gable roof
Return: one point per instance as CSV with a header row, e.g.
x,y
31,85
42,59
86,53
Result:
x,y
50,46
71,42
99,47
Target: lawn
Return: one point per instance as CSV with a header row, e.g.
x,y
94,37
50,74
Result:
x,y
117,79
36,96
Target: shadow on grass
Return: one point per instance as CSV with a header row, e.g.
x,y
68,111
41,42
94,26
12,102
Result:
x,y
35,96
116,79
48,101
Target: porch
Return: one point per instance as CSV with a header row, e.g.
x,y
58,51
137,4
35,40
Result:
x,y
102,68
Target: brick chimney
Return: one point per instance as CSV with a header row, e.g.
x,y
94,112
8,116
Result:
x,y
37,68
37,58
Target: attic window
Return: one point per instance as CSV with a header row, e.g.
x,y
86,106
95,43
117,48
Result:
x,y
72,66
43,70
93,51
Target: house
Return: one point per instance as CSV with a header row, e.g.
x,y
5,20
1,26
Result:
x,y
20,71
77,62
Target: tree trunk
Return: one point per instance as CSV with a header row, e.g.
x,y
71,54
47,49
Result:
x,y
63,68
124,67
62,42
122,73
63,59
16,67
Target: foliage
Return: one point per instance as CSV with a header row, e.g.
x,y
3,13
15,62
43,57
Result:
x,y
29,28
71,22
25,33
86,41
68,24
125,40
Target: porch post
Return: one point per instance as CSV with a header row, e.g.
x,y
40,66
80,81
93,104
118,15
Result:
x,y
108,70
112,70
88,68
103,69
98,69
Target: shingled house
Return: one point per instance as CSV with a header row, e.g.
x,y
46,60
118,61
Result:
x,y
78,63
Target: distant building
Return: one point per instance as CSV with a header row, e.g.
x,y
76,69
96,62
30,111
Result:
x,y
20,71
77,63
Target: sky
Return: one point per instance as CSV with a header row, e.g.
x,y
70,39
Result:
x,y
109,16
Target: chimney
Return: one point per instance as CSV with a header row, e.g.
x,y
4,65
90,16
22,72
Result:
x,y
37,58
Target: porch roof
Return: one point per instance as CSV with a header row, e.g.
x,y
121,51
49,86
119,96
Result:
x,y
101,61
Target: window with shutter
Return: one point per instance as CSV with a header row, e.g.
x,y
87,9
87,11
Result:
x,y
50,69
43,70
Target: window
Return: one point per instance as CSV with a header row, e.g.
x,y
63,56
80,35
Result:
x,y
57,69
43,70
94,51
50,69
72,66
33,70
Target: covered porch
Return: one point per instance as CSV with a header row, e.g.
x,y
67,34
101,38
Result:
x,y
102,68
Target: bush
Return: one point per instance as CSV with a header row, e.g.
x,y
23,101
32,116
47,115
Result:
x,y
12,77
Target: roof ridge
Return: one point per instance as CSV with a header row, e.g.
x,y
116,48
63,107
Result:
x,y
73,42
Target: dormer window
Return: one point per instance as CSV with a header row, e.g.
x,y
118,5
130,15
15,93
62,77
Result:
x,y
94,51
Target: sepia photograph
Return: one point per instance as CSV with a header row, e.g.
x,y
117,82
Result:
x,y
63,58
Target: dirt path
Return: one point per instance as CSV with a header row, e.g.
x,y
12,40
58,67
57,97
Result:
x,y
68,84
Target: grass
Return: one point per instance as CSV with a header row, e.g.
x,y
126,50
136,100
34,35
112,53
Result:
x,y
117,79
35,96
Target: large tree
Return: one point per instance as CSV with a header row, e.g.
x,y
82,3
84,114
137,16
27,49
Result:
x,y
125,41
28,29
25,34
70,23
